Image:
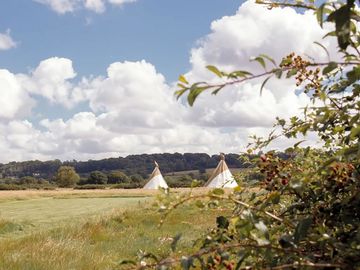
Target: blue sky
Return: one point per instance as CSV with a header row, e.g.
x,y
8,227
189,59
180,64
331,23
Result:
x,y
159,31
90,79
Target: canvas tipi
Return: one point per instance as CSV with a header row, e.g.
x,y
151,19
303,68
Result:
x,y
156,179
221,176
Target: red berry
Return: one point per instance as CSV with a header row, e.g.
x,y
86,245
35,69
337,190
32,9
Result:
x,y
284,181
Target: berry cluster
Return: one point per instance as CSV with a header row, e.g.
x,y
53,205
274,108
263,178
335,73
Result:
x,y
303,73
219,262
340,173
275,170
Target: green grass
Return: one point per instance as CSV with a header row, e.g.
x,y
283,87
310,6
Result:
x,y
46,212
90,233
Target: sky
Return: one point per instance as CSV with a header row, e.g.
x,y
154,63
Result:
x,y
91,79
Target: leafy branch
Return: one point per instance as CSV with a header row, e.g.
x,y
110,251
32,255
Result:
x,y
241,76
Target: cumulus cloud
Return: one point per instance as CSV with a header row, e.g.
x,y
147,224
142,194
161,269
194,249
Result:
x,y
233,40
132,108
133,96
6,42
51,79
65,6
15,101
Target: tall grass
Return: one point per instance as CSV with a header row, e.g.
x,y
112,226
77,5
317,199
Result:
x,y
100,242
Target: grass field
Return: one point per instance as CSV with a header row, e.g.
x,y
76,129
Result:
x,y
89,229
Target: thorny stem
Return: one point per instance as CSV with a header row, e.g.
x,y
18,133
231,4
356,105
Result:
x,y
297,5
273,71
205,251
223,198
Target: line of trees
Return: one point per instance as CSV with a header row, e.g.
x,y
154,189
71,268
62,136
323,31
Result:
x,y
131,165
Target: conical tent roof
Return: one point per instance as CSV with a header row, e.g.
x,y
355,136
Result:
x,y
221,176
156,180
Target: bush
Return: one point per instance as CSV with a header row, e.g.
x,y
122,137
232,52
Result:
x,y
304,210
66,176
11,187
98,178
117,177
126,186
90,186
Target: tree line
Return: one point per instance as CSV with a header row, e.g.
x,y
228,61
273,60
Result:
x,y
131,165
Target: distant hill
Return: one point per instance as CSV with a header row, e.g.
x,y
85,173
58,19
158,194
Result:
x,y
133,164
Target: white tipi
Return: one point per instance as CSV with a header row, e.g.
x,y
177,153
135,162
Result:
x,y
156,180
221,176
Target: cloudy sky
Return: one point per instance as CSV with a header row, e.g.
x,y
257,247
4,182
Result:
x,y
88,79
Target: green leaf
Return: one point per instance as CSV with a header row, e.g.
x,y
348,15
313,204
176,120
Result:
x,y
195,91
199,204
285,61
215,70
127,262
291,72
324,48
274,197
222,222
218,191
341,17
214,92
287,241
330,67
175,241
302,229
183,79
263,84
355,132
260,60
298,143
353,75
180,92
268,58
186,262
239,73
278,73
320,14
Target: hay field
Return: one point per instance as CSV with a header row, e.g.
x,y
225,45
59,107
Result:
x,y
79,229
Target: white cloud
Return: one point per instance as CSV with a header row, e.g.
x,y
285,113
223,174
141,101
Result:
x,y
253,30
121,2
97,6
51,79
15,101
132,109
60,6
65,6
133,96
6,42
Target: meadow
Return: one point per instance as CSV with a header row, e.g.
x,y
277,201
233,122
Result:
x,y
68,229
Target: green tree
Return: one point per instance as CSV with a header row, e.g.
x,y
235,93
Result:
x,y
136,178
117,177
98,178
66,176
304,213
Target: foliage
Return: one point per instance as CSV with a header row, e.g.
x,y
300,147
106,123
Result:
x,y
97,178
90,186
66,176
136,178
117,177
305,211
130,165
